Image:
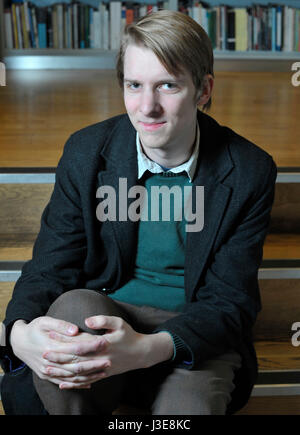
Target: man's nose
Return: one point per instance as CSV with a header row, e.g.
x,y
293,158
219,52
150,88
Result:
x,y
149,103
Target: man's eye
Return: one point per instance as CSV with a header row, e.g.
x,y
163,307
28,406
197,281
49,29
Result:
x,y
133,86
168,86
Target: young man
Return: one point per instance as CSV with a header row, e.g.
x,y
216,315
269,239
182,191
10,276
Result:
x,y
164,308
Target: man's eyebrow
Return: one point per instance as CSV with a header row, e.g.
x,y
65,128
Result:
x,y
162,80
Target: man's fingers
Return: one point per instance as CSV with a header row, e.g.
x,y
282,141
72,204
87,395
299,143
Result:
x,y
61,326
70,338
59,377
104,322
58,372
66,385
80,348
84,368
63,358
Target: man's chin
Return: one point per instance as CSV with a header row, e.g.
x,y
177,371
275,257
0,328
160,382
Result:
x,y
153,144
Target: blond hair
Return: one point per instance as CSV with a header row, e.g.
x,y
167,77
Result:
x,y
178,42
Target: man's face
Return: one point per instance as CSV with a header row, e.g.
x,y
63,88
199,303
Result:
x,y
161,107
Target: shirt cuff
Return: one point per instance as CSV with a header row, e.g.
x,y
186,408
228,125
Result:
x,y
182,355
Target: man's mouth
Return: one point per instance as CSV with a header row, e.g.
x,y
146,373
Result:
x,y
151,126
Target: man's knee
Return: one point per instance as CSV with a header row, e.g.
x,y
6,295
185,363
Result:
x,y
76,305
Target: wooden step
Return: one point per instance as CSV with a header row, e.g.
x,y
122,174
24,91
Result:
x,y
18,247
282,246
277,355
24,201
280,309
285,215
280,405
22,210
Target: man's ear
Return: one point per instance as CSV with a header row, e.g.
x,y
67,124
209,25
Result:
x,y
206,90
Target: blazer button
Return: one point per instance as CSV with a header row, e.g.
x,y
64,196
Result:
x,y
105,289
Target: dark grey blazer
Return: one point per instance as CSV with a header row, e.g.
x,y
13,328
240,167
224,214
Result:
x,y
75,250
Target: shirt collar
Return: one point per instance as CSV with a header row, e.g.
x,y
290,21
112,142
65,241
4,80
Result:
x,y
144,163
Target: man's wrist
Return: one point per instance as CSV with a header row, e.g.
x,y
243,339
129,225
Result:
x,y
159,348
14,332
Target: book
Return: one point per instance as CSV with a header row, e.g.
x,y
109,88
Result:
x,y
279,28
54,26
75,26
241,29
211,21
49,27
223,27
19,26
129,13
8,26
31,33
41,19
25,24
96,30
15,26
60,26
230,43
35,30
115,24
105,26
172,5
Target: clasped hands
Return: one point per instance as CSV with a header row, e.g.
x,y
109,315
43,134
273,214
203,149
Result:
x,y
56,351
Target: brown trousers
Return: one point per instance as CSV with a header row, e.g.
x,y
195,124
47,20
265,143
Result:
x,y
162,389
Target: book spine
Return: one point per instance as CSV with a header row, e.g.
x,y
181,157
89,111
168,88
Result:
x,y
9,40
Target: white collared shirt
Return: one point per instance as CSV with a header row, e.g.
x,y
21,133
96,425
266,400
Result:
x,y
144,163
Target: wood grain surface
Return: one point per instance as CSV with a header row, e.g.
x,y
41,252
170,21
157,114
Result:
x,y
40,109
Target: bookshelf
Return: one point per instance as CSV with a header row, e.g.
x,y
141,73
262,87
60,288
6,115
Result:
x,y
104,58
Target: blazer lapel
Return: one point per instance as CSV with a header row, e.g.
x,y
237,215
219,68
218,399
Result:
x,y
120,171
213,166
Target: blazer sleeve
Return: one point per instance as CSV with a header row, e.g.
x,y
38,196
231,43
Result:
x,y
225,307
59,250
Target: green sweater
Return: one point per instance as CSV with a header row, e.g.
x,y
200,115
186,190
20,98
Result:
x,y
158,278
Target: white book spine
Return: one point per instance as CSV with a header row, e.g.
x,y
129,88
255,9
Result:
x,y
143,10
173,5
115,24
60,26
96,29
9,42
196,16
